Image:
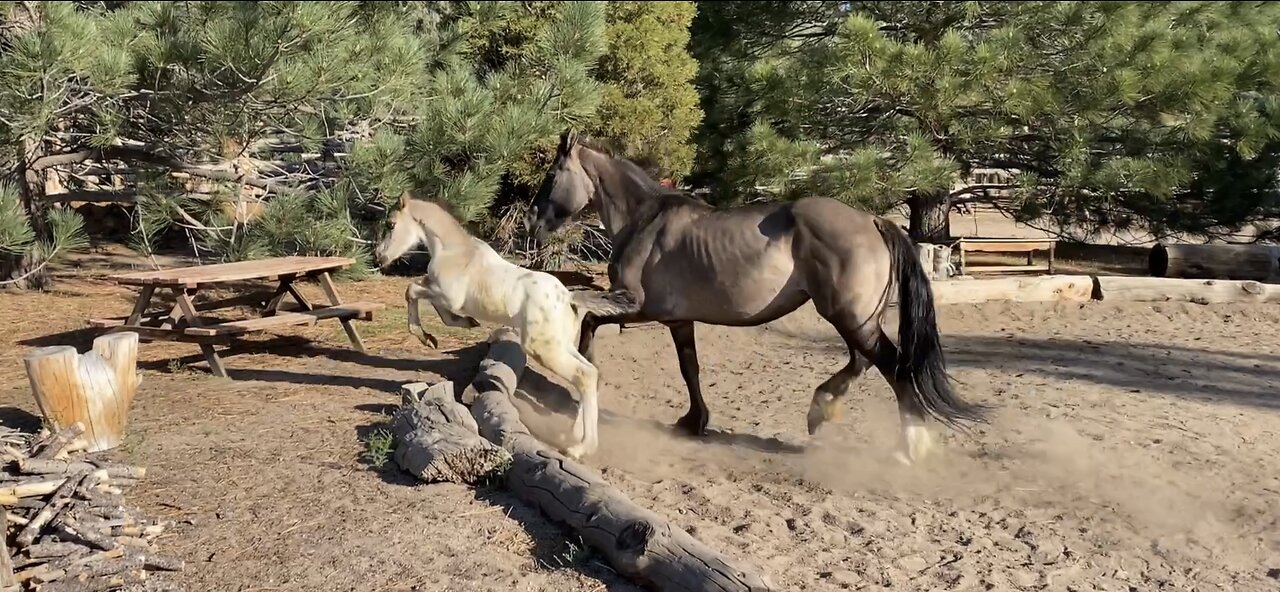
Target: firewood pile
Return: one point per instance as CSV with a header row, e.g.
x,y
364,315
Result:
x,y
68,527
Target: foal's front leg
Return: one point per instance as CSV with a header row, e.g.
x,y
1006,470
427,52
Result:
x,y
412,296
453,320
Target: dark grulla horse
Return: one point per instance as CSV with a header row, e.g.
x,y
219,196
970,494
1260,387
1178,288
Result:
x,y
685,262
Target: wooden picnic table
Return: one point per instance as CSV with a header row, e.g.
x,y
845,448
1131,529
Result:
x,y
184,323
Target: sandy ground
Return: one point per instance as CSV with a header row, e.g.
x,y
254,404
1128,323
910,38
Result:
x,y
1133,448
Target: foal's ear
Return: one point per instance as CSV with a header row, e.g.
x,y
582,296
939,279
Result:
x,y
404,199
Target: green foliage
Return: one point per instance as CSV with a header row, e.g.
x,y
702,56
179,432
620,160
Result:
x,y
650,105
19,239
1125,109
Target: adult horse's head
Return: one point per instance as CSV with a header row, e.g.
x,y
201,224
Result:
x,y
566,190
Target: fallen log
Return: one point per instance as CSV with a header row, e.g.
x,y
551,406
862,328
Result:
x,y
94,389
1215,261
437,437
1150,289
1045,288
638,543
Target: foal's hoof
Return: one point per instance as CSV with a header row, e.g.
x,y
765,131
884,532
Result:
x,y
427,339
693,424
578,451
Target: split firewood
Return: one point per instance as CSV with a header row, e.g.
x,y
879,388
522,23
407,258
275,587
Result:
x,y
66,517
38,466
54,505
60,441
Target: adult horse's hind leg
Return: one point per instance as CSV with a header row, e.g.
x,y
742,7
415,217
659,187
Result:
x,y
858,337
695,421
916,440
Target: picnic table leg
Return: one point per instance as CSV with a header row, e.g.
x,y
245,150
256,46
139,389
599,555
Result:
x,y
286,287
140,307
189,312
331,292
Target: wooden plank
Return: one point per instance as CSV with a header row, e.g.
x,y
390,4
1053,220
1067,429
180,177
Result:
x,y
362,310
1003,268
232,272
1005,247
253,299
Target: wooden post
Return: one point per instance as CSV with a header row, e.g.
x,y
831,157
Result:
x,y
1216,261
926,253
638,543
94,389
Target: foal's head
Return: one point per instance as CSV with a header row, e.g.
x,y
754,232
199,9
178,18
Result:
x,y
565,191
405,233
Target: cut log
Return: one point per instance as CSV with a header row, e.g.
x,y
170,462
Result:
x,y
437,438
638,543
1216,261
94,389
1046,288
1150,289
7,577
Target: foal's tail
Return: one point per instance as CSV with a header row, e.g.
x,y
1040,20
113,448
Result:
x,y
920,360
614,304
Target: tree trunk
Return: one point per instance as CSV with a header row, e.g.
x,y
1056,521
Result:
x,y
930,219
24,265
1151,289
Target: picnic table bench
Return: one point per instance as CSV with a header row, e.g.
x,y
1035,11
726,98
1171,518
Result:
x,y
183,322
1006,245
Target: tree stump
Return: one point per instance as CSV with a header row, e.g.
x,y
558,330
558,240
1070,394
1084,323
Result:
x,y
437,439
94,389
638,543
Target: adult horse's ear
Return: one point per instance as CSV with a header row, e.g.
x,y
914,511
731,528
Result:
x,y
567,139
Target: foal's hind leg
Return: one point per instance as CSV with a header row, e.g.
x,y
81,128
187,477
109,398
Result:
x,y
567,363
916,439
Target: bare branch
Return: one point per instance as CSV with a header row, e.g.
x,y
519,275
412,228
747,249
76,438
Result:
x,y
139,155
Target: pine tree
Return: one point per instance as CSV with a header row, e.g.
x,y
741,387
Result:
x,y
1107,111
650,106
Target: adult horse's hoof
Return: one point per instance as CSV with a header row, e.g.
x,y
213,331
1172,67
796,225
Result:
x,y
823,408
917,444
693,424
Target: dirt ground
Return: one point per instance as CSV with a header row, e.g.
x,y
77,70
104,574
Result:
x,y
1134,447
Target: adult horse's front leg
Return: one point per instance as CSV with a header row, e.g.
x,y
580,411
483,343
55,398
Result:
x,y
695,421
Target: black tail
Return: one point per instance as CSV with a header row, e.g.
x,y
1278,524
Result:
x,y
920,359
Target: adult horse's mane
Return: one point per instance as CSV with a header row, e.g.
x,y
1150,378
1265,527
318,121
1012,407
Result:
x,y
641,169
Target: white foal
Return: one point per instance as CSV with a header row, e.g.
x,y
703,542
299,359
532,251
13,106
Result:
x,y
467,282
